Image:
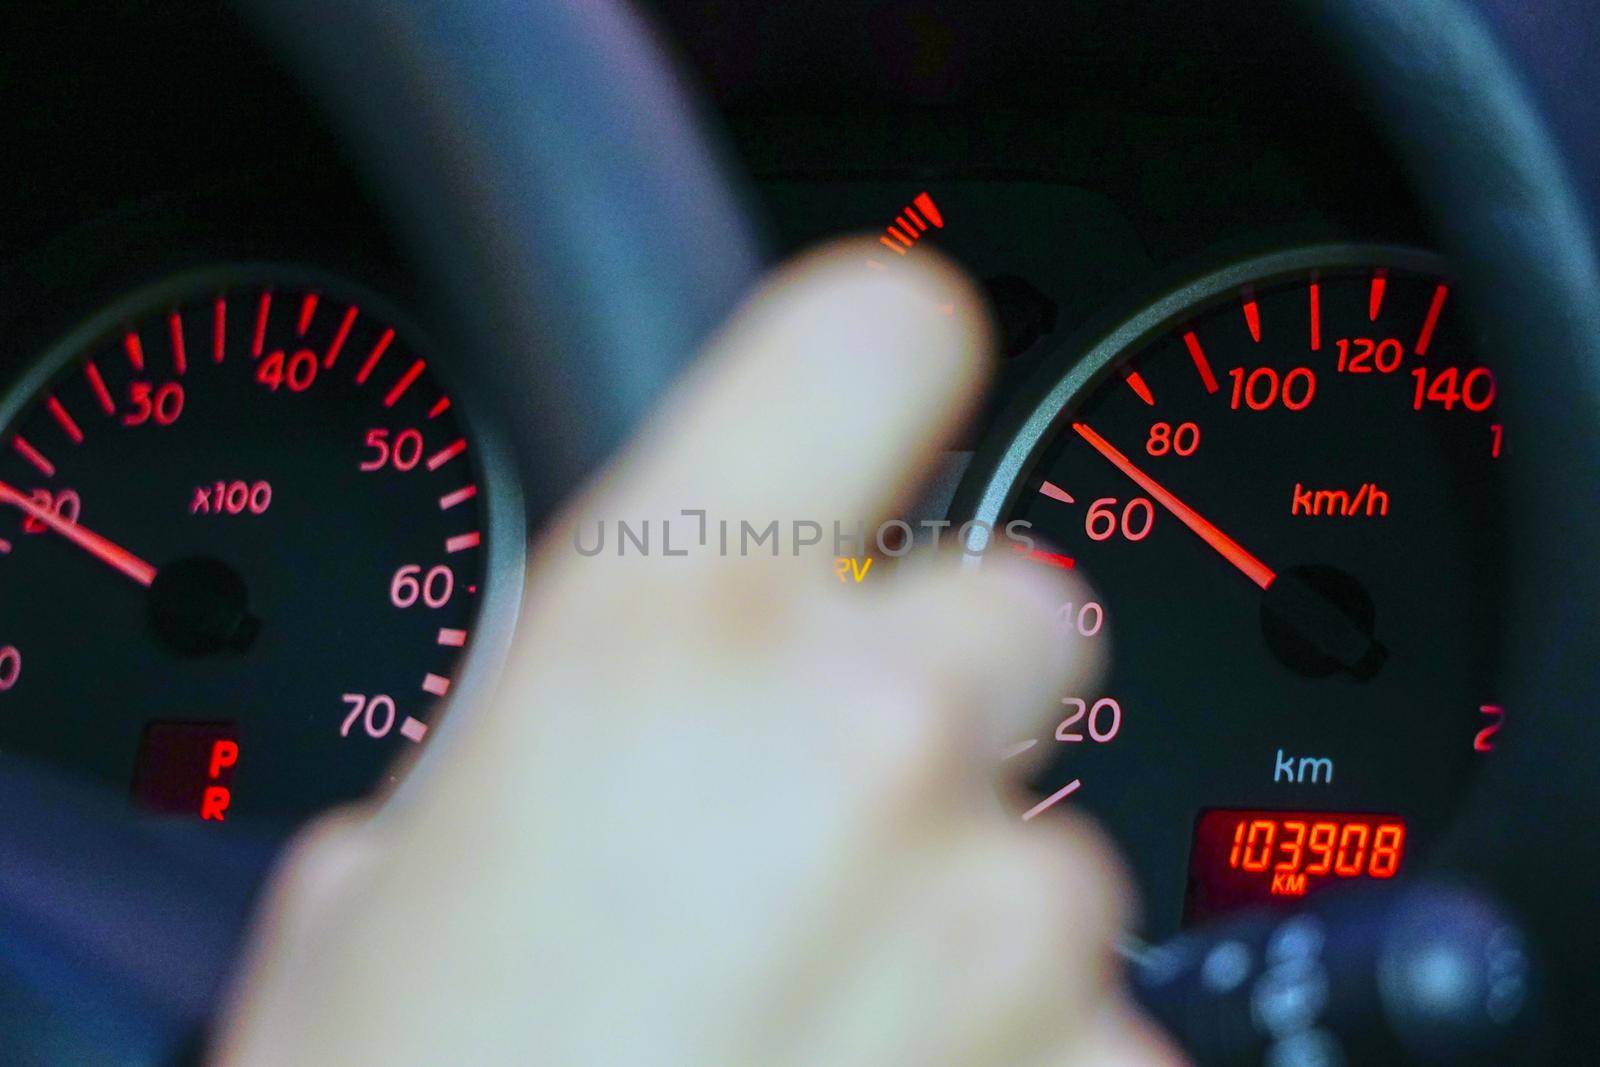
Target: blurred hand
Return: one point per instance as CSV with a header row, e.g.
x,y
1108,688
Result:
x,y
729,810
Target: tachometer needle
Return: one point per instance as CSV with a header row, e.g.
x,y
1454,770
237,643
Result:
x,y
91,542
1230,549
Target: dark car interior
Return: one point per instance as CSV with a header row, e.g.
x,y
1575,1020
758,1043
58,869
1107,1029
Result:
x,y
1320,275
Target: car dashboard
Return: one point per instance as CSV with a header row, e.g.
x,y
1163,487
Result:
x,y
1239,393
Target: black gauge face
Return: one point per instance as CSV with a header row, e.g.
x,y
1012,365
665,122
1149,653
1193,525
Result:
x,y
243,543
1281,485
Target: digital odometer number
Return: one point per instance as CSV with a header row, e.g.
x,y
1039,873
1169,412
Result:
x,y
1241,858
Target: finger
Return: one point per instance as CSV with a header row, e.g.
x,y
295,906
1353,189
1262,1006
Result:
x,y
987,635
995,943
913,696
1118,1037
312,882
831,390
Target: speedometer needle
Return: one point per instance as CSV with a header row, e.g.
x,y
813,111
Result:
x,y
91,542
1230,549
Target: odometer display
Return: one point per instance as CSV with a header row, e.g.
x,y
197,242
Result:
x,y
1281,484
243,533
1243,858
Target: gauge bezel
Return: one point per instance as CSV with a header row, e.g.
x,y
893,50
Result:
x,y
502,505
1000,468
995,475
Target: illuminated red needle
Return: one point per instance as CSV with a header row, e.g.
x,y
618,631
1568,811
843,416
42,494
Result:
x,y
88,540
1231,550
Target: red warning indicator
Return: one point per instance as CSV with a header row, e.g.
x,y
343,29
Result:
x,y
186,768
912,222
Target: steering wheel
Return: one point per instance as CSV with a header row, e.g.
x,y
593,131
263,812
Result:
x,y
576,228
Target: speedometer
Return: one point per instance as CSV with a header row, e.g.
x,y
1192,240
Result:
x,y
1281,483
248,539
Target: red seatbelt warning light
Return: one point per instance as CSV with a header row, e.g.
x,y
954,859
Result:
x,y
1241,858
186,768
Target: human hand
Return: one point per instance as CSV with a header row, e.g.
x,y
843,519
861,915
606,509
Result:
x,y
723,809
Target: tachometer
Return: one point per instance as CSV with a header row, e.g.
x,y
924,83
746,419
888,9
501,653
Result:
x,y
1281,483
245,545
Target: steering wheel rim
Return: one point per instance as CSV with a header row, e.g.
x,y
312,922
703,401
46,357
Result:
x,y
570,219
1512,219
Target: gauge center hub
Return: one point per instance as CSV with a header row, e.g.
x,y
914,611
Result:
x,y
200,606
1318,620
